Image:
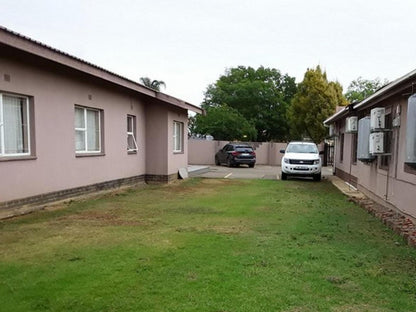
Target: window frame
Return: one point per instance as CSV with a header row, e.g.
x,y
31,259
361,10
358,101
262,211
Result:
x,y
175,136
341,147
132,134
354,141
28,131
385,160
86,152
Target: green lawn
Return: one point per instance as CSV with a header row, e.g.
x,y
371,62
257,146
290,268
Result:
x,y
207,245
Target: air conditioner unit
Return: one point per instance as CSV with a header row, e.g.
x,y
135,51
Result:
x,y
331,130
351,124
411,131
377,116
363,145
377,143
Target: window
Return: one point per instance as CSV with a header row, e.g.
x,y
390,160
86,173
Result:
x,y
354,147
131,134
177,137
87,130
385,159
14,125
341,149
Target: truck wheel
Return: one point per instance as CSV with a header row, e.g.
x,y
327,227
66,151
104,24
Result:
x,y
284,176
317,177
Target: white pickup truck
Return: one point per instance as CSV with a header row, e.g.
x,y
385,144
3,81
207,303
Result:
x,y
301,159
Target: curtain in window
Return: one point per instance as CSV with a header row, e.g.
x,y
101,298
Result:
x,y
14,125
93,130
79,129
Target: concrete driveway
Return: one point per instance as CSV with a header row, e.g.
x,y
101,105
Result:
x,y
243,172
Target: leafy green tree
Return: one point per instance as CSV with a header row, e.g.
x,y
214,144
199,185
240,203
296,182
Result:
x,y
261,95
153,84
341,100
360,88
223,123
314,102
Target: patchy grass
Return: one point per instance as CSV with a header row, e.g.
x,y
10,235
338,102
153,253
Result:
x,y
207,245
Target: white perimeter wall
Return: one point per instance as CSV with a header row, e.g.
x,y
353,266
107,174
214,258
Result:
x,y
202,152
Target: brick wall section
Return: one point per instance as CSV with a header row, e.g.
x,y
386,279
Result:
x,y
63,194
154,178
346,177
403,225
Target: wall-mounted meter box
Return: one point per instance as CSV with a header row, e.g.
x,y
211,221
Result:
x,y
363,142
377,143
411,131
331,130
377,116
351,125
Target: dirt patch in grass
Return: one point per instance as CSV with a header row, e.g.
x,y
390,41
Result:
x,y
219,229
359,308
103,218
229,229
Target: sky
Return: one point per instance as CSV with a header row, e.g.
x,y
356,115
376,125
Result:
x,y
190,43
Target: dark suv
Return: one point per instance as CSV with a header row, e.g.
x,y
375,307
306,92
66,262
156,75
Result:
x,y
234,154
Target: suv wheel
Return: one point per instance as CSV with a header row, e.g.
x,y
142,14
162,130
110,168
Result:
x,y
230,163
217,161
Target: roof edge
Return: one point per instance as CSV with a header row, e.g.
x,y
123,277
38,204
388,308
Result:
x,y
28,45
368,101
336,116
385,89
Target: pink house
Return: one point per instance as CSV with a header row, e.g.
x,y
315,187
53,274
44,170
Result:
x,y
375,145
68,127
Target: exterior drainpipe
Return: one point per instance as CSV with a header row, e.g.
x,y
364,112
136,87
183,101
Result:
x,y
351,157
387,183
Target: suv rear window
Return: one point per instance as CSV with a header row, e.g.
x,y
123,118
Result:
x,y
243,149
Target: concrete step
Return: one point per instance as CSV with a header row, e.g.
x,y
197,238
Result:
x,y
194,171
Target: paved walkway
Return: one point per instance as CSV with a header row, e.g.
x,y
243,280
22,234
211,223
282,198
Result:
x,y
266,172
243,172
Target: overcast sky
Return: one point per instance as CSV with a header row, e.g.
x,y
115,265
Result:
x,y
189,43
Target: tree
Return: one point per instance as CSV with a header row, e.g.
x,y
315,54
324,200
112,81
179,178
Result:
x,y
260,95
360,88
314,102
153,84
224,123
341,100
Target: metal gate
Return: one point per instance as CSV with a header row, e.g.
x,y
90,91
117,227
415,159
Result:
x,y
329,149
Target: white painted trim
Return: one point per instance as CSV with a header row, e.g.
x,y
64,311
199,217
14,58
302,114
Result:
x,y
133,121
175,136
2,139
85,130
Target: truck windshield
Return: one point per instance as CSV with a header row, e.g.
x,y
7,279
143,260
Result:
x,y
302,148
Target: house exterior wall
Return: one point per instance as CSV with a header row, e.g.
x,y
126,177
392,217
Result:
x,y
47,84
177,159
160,158
393,186
56,166
156,140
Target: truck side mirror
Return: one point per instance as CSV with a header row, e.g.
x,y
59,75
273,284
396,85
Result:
x,y
282,151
